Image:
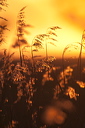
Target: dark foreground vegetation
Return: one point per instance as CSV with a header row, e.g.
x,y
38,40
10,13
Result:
x,y
43,96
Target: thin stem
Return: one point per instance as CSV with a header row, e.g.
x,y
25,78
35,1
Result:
x,y
20,53
63,67
32,59
80,57
46,52
47,56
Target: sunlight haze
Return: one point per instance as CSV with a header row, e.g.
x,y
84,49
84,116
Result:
x,y
42,14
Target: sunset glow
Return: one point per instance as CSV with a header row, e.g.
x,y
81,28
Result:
x,y
42,14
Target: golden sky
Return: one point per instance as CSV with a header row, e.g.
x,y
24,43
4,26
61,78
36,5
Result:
x,y
42,14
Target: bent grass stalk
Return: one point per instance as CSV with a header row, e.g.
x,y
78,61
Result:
x,y
75,46
80,54
37,43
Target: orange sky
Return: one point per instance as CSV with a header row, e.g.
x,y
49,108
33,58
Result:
x,y
67,14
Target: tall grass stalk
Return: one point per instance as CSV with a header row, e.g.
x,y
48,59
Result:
x,y
20,23
21,31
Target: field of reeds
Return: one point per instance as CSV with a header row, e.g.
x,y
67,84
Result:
x,y
40,92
